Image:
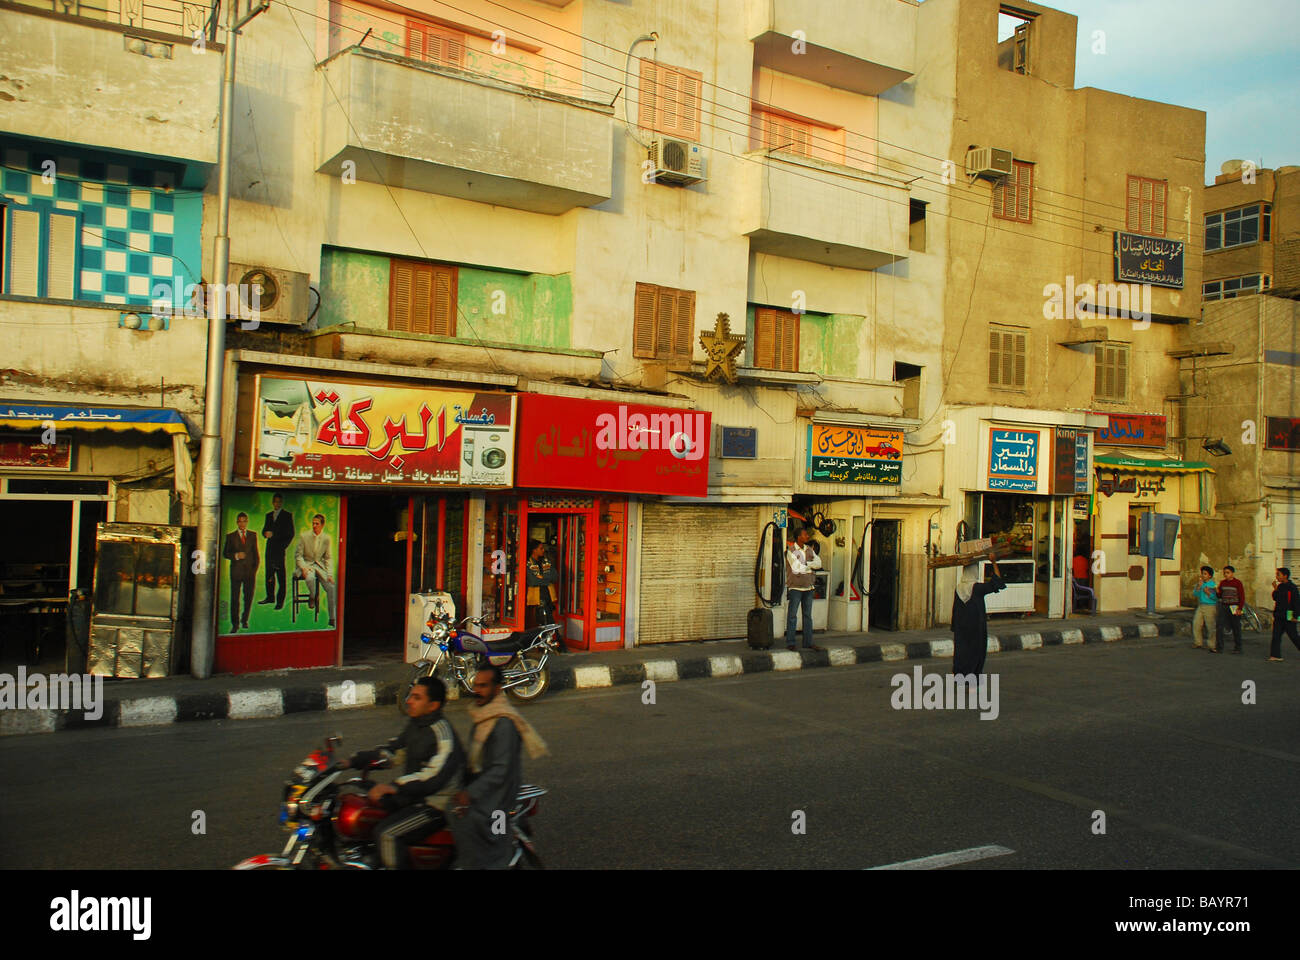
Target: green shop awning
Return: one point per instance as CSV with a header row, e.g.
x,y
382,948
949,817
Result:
x,y
1152,465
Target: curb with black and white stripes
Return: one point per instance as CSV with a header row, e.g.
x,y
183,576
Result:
x,y
255,704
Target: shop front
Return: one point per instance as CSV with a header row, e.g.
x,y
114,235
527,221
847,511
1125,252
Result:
x,y
348,500
1031,481
589,475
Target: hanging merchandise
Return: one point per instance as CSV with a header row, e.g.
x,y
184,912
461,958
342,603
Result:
x,y
778,566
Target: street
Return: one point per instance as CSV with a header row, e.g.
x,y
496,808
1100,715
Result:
x,y
713,774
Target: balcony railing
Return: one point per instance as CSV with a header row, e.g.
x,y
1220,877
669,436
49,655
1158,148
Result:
x,y
172,17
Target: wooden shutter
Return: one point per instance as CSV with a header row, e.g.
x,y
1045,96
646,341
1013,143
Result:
x,y
765,323
643,322
399,296
24,252
995,357
647,95
422,298
684,325
688,88
1133,219
1024,191
1020,358
1159,193
787,344
428,43
665,311
669,100
1008,357
61,257
443,319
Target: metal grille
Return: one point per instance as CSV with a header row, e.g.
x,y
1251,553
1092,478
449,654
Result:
x,y
164,16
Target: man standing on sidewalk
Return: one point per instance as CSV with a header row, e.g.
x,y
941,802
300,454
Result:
x,y
1206,596
800,562
1286,607
1232,594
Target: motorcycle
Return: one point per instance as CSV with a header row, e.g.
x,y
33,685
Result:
x,y
331,823
448,648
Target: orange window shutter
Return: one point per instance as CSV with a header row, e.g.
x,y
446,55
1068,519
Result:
x,y
667,108
665,310
399,298
789,345
643,322
648,95
443,319
684,325
1158,209
1024,191
1134,205
765,336
421,299
414,40
689,113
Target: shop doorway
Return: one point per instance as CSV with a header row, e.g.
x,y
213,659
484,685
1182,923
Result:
x,y
883,604
564,536
374,594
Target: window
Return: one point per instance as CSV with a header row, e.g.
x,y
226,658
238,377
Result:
x,y
433,44
909,375
781,132
663,323
1235,286
1236,228
422,298
776,339
1013,39
916,225
1146,206
1111,371
1013,195
40,252
1007,355
669,100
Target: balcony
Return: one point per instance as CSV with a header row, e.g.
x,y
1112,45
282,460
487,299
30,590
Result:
x,y
92,80
444,131
824,213
867,46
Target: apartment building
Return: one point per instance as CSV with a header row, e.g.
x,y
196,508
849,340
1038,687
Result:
x,y
1074,262
1240,377
107,139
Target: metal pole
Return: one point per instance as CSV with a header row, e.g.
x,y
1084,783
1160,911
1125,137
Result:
x,y
202,645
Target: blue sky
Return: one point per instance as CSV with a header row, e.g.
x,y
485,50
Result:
x,y
1240,63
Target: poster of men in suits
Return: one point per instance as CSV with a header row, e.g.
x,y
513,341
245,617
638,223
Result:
x,y
291,539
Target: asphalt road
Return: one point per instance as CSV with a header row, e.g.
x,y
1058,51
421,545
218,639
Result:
x,y
711,775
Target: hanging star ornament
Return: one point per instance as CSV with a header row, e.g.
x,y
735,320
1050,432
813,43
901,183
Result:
x,y
721,347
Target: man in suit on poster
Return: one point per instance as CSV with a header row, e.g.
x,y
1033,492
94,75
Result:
x,y
278,530
312,559
241,551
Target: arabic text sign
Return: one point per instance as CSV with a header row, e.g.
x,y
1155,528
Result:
x,y
1283,433
1133,431
25,453
1110,483
1154,260
845,454
335,432
1082,473
1013,459
567,443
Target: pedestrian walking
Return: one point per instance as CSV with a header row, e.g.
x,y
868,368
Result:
x,y
800,562
1206,595
1286,610
1232,594
970,621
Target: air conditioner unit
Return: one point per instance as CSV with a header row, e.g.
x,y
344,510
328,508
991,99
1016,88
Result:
x,y
677,161
989,162
284,297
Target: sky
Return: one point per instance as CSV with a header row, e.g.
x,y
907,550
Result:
x,y
1240,63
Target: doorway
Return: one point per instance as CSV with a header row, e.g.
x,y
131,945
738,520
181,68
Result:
x,y
564,536
374,586
883,604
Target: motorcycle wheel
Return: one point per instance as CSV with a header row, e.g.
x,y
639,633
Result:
x,y
531,691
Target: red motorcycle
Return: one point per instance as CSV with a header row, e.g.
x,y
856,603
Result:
x,y
331,823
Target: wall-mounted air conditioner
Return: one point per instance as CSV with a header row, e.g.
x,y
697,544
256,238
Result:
x,y
284,297
677,161
988,162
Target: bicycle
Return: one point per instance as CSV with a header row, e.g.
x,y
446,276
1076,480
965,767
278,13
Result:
x,y
1249,618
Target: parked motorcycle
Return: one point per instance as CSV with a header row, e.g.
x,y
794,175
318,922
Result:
x,y
331,823
455,654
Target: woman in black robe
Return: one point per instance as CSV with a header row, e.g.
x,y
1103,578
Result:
x,y
970,622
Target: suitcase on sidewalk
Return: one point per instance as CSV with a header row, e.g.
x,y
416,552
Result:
x,y
760,628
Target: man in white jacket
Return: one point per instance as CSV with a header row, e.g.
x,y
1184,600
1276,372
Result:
x,y
800,562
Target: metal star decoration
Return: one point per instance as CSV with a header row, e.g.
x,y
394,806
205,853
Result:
x,y
721,347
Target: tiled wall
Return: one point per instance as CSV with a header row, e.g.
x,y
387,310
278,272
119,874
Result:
x,y
136,231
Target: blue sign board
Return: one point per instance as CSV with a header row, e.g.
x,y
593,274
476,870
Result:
x,y
1081,473
1013,459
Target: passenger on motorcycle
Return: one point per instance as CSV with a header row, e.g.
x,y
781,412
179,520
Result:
x,y
435,769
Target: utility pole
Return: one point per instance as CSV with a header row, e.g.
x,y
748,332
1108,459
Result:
x,y
203,642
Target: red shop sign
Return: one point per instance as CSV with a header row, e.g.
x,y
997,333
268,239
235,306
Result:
x,y
1138,430
569,444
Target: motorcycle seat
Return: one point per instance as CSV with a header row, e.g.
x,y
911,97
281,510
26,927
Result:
x,y
515,642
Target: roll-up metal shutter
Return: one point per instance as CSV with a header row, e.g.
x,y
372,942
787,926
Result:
x,y
697,572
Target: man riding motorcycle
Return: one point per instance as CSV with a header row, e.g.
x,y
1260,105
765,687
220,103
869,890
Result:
x,y
435,769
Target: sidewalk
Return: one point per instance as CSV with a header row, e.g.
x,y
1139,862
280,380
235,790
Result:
x,y
132,703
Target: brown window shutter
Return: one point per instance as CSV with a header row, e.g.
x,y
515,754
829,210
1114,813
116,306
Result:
x,y
643,322
421,299
995,358
999,197
1024,192
1020,360
1159,225
442,320
414,40
1134,205
665,311
765,337
684,325
1099,378
647,96
399,296
1121,373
